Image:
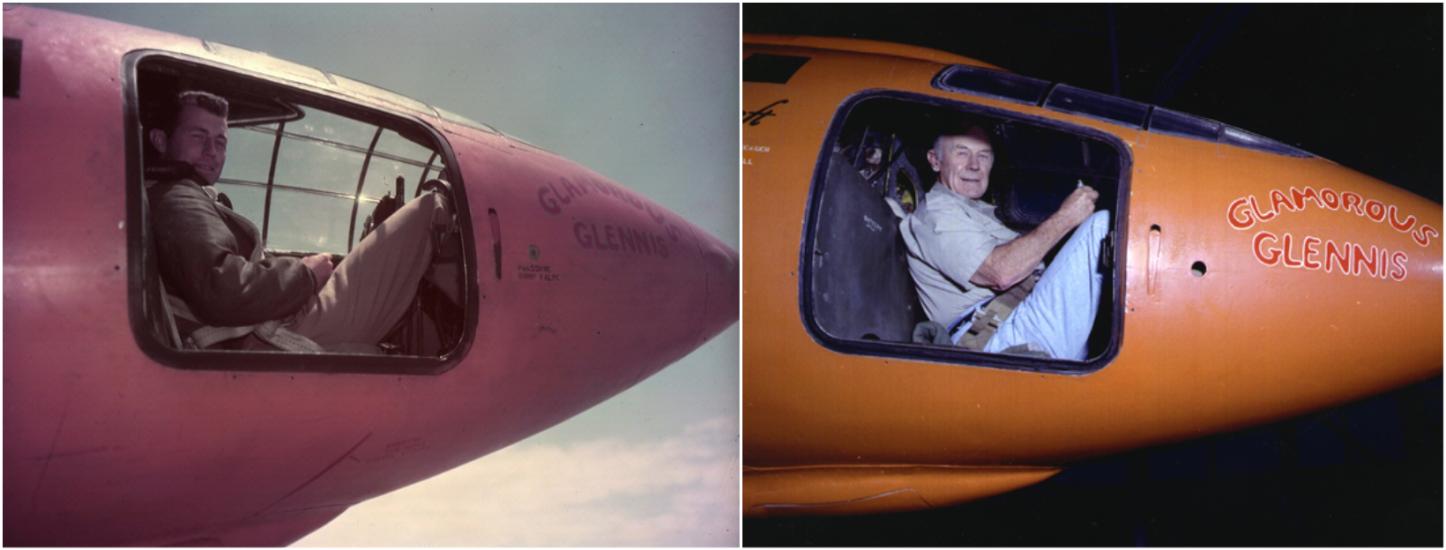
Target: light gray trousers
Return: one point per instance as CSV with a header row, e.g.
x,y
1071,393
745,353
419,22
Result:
x,y
372,287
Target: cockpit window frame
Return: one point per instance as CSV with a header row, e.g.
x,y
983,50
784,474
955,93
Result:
x,y
994,84
1114,109
942,354
143,285
1100,106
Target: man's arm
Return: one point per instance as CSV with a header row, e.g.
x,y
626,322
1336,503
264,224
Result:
x,y
1011,262
205,265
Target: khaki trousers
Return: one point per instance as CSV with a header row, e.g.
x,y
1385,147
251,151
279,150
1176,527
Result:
x,y
371,289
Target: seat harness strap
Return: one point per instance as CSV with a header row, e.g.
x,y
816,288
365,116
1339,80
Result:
x,y
988,320
272,332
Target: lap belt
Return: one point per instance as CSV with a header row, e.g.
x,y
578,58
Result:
x,y
271,332
988,319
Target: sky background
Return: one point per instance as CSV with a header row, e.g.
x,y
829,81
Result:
x,y
646,95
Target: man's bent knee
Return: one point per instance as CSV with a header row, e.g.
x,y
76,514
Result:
x,y
1099,222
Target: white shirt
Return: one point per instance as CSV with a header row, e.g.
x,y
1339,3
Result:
x,y
948,239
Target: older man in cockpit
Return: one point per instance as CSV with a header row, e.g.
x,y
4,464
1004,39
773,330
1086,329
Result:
x,y
982,281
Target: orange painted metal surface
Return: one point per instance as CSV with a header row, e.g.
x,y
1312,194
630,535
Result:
x,y
1246,343
840,490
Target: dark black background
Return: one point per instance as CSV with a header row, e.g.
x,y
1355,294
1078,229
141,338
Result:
x,y
1360,85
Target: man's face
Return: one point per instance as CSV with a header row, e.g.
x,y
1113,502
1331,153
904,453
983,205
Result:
x,y
963,163
199,138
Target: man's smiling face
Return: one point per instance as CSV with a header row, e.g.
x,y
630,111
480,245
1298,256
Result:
x,y
199,138
963,162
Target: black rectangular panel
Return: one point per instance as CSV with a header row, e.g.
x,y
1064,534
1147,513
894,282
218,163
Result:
x,y
12,67
770,68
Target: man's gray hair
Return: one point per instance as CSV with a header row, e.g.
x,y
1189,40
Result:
x,y
978,130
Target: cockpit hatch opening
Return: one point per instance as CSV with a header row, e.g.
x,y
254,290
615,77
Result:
x,y
315,174
857,292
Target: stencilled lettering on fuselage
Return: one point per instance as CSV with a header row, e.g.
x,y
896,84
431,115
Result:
x,y
606,235
619,238
1314,253
537,272
750,150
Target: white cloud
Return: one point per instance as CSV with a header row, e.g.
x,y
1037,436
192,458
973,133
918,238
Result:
x,y
678,491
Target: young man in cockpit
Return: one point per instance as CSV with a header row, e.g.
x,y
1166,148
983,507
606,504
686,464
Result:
x,y
977,277
235,295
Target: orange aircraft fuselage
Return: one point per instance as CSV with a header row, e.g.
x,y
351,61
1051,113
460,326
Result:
x,y
1233,313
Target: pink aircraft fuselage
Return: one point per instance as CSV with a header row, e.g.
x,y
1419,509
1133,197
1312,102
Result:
x,y
583,288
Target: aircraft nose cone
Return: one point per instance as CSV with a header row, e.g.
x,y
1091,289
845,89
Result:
x,y
720,271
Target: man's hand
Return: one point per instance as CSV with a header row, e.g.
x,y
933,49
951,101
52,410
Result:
x,y
1077,206
320,266
1011,262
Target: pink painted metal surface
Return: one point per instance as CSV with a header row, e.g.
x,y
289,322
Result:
x,y
104,446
